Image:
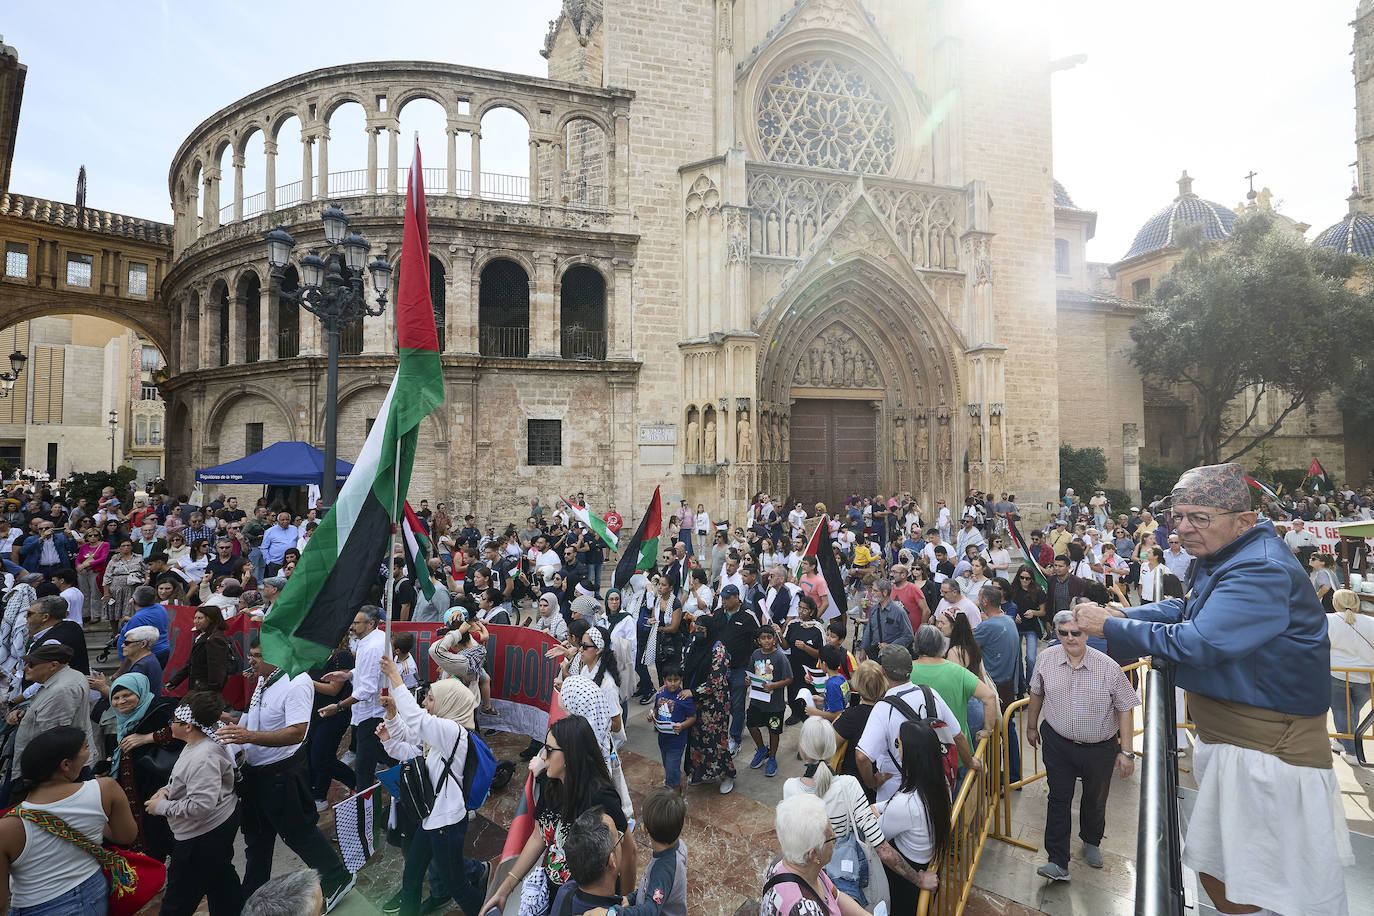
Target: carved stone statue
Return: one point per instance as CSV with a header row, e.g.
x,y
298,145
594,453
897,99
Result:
x,y
944,438
744,449
708,443
693,441
899,442
922,439
995,452
975,440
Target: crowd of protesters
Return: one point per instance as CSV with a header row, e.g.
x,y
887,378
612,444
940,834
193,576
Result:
x,y
892,672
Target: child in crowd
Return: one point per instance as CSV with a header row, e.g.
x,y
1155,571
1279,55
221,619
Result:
x,y
402,652
834,636
673,715
835,700
769,674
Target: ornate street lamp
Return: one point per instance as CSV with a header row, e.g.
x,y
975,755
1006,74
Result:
x,y
114,424
332,291
7,379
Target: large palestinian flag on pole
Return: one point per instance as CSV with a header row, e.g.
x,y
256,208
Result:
x,y
340,562
822,547
642,551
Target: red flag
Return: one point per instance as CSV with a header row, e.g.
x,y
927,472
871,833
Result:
x,y
522,825
414,310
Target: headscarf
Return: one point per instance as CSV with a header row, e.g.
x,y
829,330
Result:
x,y
696,664
453,701
183,714
13,633
580,696
137,684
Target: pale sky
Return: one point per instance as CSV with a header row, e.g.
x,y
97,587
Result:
x,y
1219,87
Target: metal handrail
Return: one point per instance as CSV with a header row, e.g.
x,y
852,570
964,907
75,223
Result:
x,y
971,818
1159,856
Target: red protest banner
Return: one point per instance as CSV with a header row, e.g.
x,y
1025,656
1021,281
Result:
x,y
521,676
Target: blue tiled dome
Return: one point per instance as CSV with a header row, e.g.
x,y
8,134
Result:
x,y
1062,198
1160,230
1353,235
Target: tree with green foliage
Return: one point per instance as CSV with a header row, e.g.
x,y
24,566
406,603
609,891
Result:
x,y
1259,312
90,485
1083,469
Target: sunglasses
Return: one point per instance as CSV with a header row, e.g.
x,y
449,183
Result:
x,y
1074,633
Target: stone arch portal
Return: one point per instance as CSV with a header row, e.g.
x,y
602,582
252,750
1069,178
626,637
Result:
x,y
858,386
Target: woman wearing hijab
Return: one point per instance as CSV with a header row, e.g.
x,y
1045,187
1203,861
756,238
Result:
x,y
142,728
620,623
439,733
706,673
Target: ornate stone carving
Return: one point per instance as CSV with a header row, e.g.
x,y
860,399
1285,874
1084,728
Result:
x,y
922,439
825,112
693,439
836,359
703,196
975,433
725,30
736,235
978,256
996,448
899,441
708,443
944,449
744,445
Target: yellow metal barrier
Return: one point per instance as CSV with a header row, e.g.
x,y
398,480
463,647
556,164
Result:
x,y
974,812
1352,715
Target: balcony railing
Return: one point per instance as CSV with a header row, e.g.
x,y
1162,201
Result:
x,y
495,186
148,392
288,343
504,341
583,343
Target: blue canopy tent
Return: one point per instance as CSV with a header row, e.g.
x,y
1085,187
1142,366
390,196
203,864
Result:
x,y
283,464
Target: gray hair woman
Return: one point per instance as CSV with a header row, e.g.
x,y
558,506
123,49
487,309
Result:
x,y
291,894
807,842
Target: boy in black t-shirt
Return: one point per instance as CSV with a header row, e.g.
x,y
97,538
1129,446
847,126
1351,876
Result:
x,y
769,674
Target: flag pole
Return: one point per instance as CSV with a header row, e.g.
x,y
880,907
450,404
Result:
x,y
391,543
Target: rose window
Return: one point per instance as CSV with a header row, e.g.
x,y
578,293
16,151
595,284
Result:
x,y
826,113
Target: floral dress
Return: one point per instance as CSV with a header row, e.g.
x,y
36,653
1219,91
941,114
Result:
x,y
118,588
709,748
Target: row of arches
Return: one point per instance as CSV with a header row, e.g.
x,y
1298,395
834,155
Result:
x,y
504,147
245,324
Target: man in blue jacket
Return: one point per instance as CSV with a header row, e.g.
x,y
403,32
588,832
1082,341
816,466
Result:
x,y
47,551
1251,650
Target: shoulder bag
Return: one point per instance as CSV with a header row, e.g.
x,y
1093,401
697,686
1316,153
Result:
x,y
855,867
134,878
417,789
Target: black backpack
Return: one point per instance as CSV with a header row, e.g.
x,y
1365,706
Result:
x,y
949,753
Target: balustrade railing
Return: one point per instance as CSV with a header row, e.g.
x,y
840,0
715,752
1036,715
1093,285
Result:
x,y
288,343
583,343
495,341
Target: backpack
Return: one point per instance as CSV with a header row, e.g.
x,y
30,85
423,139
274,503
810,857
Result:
x,y
479,767
417,790
949,754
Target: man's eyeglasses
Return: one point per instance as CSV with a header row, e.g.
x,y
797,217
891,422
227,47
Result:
x,y
1067,633
1200,520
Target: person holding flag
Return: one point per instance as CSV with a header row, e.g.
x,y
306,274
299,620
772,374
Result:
x,y
336,570
597,526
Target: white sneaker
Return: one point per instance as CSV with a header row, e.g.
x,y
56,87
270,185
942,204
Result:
x,y
734,746
347,758
1336,747
727,786
320,806
1350,758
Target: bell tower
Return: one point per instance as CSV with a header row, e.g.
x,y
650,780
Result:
x,y
1363,68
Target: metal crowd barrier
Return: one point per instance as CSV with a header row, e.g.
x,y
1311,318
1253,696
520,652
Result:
x,y
971,818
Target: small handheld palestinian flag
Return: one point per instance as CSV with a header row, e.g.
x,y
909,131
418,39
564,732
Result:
x,y
1268,493
1317,474
642,551
1019,540
596,524
417,550
822,547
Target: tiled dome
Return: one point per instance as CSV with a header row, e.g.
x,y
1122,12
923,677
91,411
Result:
x,y
1353,235
1187,209
1062,198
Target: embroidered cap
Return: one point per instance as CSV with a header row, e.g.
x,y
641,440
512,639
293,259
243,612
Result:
x,y
1221,486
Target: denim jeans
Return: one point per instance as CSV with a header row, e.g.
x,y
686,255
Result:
x,y
259,564
445,846
739,689
89,898
685,536
1359,699
672,764
1030,647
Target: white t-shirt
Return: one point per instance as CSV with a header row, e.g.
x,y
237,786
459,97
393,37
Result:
x,y
965,607
904,821
698,601
844,802
1296,539
1001,560
797,519
1352,646
883,724
75,601
288,702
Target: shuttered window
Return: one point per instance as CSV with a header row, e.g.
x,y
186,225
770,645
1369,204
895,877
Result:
x,y
47,367
13,407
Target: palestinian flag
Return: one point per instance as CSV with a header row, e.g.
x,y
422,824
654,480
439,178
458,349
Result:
x,y
339,565
642,551
1268,493
822,547
595,523
1317,474
417,550
1020,541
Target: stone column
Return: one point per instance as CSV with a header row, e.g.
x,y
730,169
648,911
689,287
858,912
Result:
x,y
544,326
190,345
269,148
1130,451
535,196
476,136
211,215
620,304
238,331
267,321
209,323
307,170
312,335
193,225
451,135
238,186
372,160
324,164
559,159
393,150
460,334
